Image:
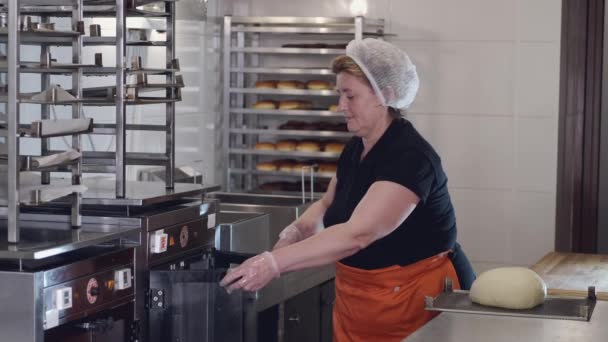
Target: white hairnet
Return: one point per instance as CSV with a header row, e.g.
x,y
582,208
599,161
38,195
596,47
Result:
x,y
389,70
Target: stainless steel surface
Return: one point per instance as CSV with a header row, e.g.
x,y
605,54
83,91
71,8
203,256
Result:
x,y
12,107
289,71
41,240
21,300
55,128
45,83
358,31
552,308
310,30
300,92
188,226
245,62
291,113
194,308
40,33
77,17
331,155
226,104
98,191
295,51
243,232
140,193
121,147
290,285
602,213
319,175
457,327
305,20
171,78
282,210
31,308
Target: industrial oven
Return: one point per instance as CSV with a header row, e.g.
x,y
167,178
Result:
x,y
68,285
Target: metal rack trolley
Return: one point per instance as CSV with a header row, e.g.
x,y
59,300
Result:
x,y
246,41
43,34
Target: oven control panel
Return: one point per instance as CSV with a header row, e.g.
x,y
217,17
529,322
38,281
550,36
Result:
x,y
104,285
168,242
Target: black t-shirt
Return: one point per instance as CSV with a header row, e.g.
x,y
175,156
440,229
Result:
x,y
404,157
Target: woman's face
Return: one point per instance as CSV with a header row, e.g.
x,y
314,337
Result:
x,y
360,105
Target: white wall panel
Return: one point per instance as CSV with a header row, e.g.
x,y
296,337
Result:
x,y
463,77
533,231
538,20
476,151
485,221
482,20
537,155
537,83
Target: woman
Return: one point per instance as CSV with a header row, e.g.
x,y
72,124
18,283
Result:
x,y
386,218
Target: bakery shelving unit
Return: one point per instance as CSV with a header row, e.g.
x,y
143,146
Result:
x,y
280,48
18,28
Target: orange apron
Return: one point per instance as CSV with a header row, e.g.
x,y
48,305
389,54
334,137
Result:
x,y
387,304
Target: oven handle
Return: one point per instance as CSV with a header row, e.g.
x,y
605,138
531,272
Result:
x,y
101,325
223,259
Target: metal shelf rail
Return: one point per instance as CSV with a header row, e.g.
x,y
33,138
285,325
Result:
x,y
250,53
77,162
16,33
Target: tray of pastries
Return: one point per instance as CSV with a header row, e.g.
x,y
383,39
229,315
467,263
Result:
x,y
290,165
301,146
293,84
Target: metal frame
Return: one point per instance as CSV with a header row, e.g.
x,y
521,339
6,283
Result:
x,y
242,55
602,217
114,162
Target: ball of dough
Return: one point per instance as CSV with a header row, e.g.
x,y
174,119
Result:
x,y
509,288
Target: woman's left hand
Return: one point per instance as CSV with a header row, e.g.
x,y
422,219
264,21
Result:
x,y
253,274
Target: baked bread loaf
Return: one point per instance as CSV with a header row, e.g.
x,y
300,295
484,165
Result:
x,y
297,167
266,166
265,146
266,84
309,146
294,104
285,165
318,85
328,167
335,147
266,104
290,84
287,145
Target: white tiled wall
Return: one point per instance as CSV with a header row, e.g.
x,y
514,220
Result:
x,y
488,102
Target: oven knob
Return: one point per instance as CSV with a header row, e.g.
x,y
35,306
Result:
x,y
183,237
92,291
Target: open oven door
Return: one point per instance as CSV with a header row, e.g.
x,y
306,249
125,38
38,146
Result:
x,y
190,306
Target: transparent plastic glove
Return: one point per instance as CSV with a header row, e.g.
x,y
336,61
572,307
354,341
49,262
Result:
x,y
291,234
253,274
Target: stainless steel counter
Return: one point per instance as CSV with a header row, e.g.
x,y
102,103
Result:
x,y
290,285
46,239
458,327
101,191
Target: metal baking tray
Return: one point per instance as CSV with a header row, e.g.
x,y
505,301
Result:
x,y
578,309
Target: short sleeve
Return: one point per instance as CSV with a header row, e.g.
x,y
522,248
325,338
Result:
x,y
412,169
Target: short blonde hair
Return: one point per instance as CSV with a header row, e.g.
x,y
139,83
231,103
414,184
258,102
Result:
x,y
348,65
